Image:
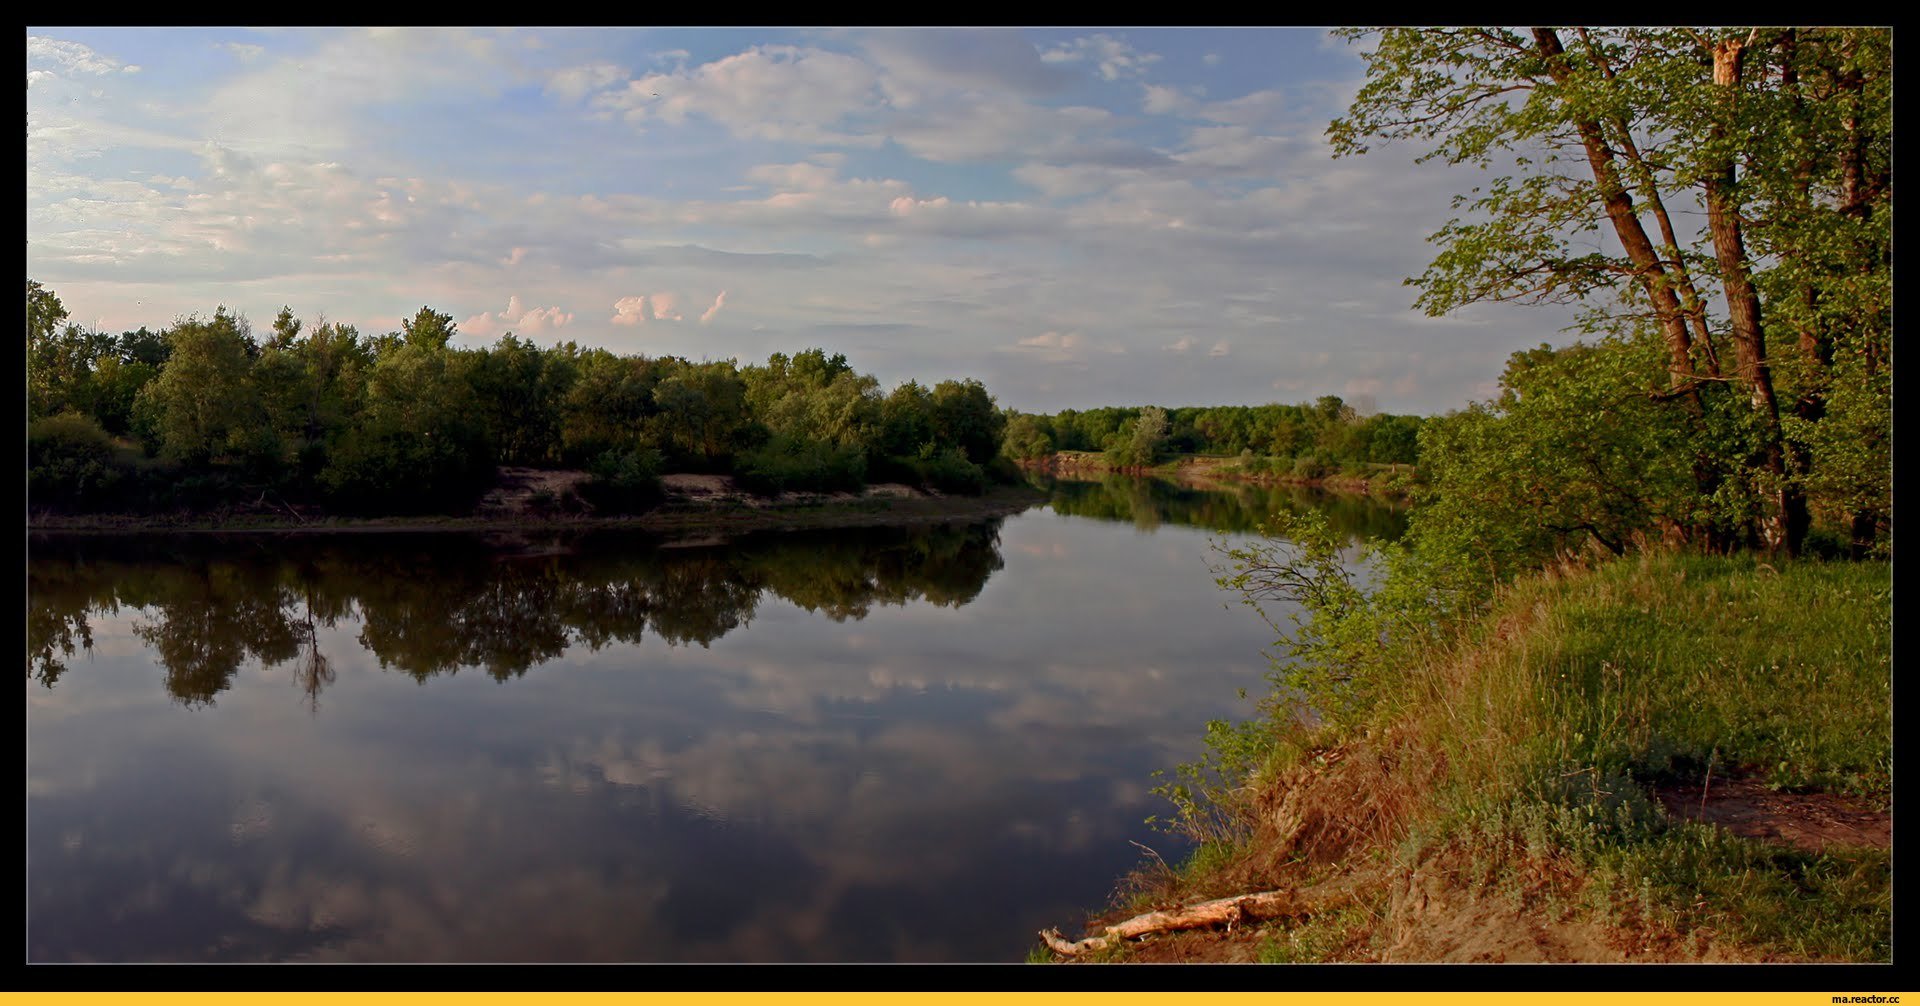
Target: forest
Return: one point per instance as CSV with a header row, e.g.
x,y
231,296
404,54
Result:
x,y
205,413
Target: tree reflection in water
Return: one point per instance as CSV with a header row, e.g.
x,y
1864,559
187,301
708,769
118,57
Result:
x,y
432,604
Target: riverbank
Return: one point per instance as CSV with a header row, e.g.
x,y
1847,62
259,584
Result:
x,y
527,499
1389,481
1658,759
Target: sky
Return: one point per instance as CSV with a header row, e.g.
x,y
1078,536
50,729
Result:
x,y
1076,217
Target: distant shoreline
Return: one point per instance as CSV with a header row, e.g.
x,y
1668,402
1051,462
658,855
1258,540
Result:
x,y
1205,469
679,515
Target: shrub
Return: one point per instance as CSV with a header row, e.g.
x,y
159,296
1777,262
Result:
x,y
70,462
788,464
624,481
949,471
1311,466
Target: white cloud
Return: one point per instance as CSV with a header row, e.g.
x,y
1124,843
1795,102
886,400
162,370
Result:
x,y
1221,348
312,103
243,51
527,320
1181,345
72,57
1113,57
803,176
1053,340
630,311
1157,99
715,309
773,92
576,82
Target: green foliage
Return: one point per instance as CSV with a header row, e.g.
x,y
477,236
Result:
x,y
1327,429
702,413
947,470
625,482
202,409
964,417
1027,437
787,464
418,446
405,422
1783,134
1145,440
70,463
1318,465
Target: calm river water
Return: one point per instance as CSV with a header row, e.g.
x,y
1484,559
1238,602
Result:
x,y
876,745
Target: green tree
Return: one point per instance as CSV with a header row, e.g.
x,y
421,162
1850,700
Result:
x,y
1782,135
1027,437
1145,442
202,408
965,417
418,443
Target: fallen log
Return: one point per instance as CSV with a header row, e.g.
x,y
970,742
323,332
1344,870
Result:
x,y
1218,912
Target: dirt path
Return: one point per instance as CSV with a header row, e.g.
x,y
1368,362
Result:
x,y
1812,821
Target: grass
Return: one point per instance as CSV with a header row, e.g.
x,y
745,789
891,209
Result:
x,y
1521,761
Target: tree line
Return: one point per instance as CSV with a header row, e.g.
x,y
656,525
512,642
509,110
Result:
x,y
1323,435
204,413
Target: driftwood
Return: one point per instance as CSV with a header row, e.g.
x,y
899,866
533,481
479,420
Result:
x,y
1220,911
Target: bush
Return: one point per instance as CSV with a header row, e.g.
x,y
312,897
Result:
x,y
624,481
949,471
1003,470
401,472
71,463
1311,466
789,464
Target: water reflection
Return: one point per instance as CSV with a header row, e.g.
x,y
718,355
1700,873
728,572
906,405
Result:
x,y
878,745
210,605
1232,507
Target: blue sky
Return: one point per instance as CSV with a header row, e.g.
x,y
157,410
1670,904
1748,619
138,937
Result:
x,y
1077,217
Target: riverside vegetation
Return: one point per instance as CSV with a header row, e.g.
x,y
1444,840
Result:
x,y
1624,689
204,417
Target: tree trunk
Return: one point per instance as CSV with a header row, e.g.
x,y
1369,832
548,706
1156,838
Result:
x,y
1647,265
1221,911
1783,525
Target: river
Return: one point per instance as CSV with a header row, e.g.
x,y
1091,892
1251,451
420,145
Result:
x,y
887,744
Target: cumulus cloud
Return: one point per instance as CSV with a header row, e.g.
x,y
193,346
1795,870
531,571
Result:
x,y
769,92
663,306
576,82
1157,99
1113,57
1221,348
630,311
715,309
527,320
1180,345
72,57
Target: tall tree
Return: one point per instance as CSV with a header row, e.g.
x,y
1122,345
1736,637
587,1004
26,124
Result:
x,y
1613,128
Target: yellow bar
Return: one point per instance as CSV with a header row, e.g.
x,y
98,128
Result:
x,y
906,976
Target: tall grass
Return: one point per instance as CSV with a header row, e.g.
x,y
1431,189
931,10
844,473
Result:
x,y
1528,741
